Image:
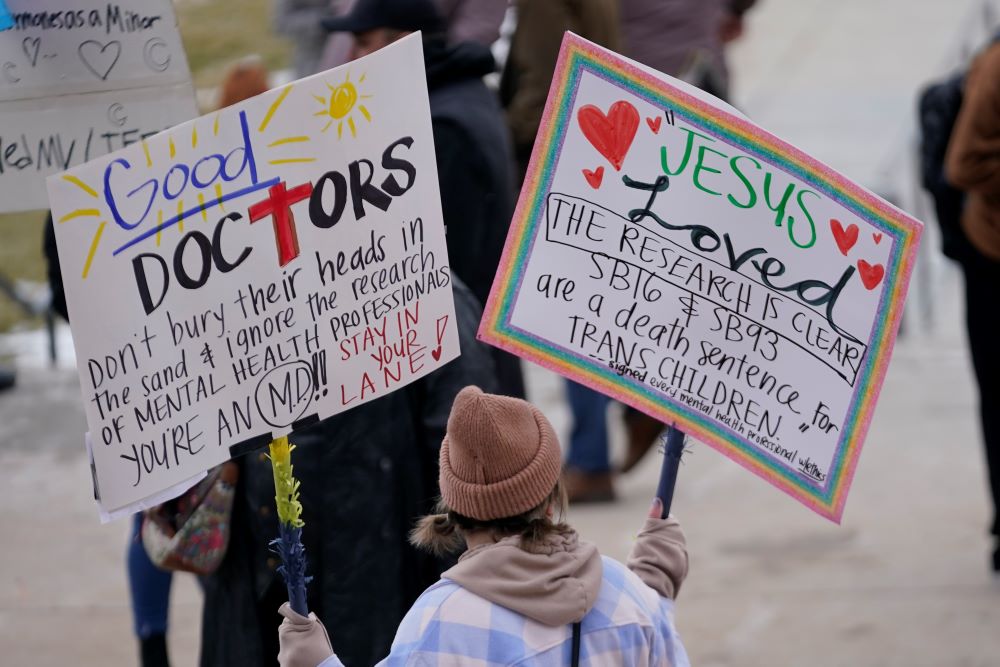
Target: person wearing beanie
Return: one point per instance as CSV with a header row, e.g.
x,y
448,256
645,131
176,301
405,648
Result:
x,y
526,589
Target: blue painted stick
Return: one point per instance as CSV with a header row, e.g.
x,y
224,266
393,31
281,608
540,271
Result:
x,y
668,472
293,565
288,544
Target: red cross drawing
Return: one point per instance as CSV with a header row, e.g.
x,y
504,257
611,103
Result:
x,y
278,206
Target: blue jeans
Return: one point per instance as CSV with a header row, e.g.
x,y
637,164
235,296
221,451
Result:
x,y
149,588
588,440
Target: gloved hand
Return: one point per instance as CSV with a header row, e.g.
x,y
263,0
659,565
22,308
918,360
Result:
x,y
303,641
659,556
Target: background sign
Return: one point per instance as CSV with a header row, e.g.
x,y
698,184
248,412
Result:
x,y
254,270
677,257
79,79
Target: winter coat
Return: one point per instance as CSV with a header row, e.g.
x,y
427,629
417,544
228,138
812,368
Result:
x,y
473,20
365,475
476,174
534,50
972,162
475,165
665,34
501,605
680,38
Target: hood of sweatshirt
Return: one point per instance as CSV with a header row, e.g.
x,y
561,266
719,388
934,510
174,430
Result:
x,y
555,585
453,63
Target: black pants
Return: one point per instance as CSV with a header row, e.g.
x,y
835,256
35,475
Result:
x,y
982,312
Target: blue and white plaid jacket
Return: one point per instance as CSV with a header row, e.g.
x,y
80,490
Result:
x,y
630,625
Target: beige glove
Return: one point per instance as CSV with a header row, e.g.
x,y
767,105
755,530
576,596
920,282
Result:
x,y
659,555
303,641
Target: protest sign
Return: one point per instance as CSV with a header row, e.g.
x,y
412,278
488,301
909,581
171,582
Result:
x,y
80,78
670,253
256,269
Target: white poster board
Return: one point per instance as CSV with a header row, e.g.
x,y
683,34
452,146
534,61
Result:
x,y
254,270
79,79
670,253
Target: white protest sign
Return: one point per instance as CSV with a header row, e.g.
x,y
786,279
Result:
x,y
256,269
672,254
79,79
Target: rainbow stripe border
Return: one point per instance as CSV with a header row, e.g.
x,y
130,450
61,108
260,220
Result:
x,y
577,56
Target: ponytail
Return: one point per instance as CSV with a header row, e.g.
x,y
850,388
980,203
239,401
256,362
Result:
x,y
441,533
437,534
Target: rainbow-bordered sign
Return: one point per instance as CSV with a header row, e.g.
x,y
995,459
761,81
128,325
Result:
x,y
669,253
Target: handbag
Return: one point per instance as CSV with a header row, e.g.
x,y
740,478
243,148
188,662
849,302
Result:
x,y
191,532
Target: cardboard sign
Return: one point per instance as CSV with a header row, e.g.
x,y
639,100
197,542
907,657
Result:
x,y
79,79
675,256
254,270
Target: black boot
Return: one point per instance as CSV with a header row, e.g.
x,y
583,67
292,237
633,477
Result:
x,y
8,378
153,651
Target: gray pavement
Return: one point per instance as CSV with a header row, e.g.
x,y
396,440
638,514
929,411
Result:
x,y
904,580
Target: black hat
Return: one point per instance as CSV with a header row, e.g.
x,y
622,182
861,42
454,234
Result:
x,y
408,15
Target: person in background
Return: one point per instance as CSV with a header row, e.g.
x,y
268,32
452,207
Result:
x,y
472,20
524,89
534,49
526,588
465,21
471,143
684,38
337,49
299,21
972,164
244,79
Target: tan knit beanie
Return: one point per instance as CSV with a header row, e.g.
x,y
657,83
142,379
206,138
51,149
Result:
x,y
500,457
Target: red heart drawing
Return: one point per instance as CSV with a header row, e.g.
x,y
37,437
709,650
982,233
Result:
x,y
654,124
871,276
610,134
877,237
436,353
845,238
594,177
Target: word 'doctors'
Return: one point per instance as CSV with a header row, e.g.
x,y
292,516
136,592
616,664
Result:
x,y
249,272
670,253
79,79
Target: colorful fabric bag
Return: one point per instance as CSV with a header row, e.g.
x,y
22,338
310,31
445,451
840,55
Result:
x,y
191,532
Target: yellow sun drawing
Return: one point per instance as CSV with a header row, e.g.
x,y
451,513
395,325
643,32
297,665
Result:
x,y
342,102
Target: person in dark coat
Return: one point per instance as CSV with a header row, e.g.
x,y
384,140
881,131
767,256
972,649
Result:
x,y
972,164
366,475
471,142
